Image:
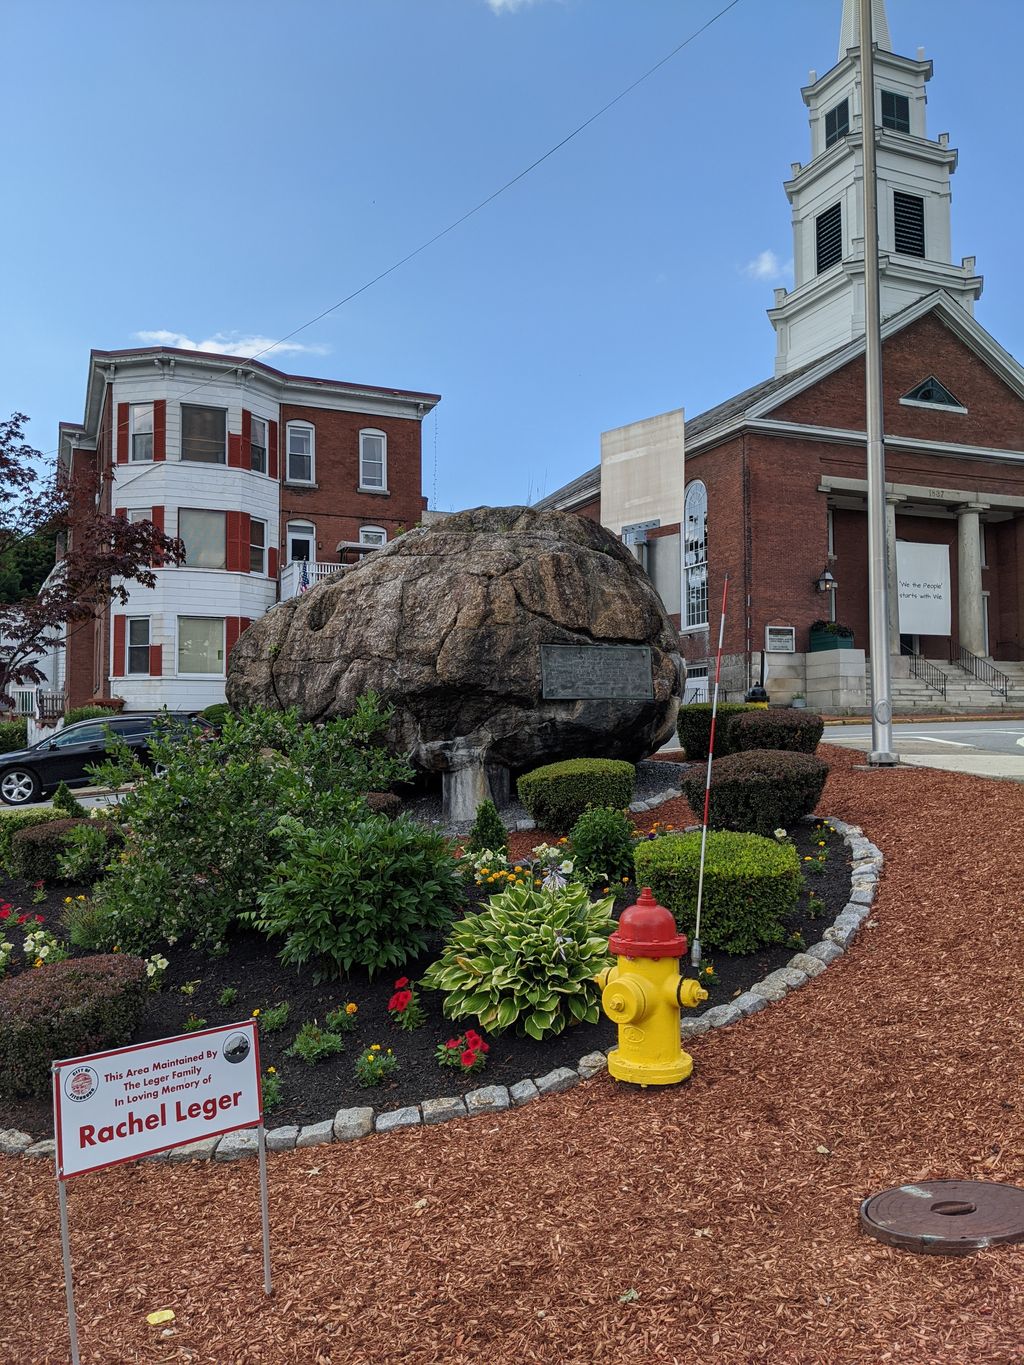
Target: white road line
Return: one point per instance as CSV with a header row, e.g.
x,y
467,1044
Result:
x,y
930,739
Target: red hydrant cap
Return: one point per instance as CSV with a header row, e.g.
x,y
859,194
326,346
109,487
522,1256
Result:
x,y
647,929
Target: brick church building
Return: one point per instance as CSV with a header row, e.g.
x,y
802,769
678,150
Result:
x,y
770,486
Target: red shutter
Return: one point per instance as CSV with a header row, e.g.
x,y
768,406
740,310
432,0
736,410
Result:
x,y
272,454
237,541
246,460
272,562
156,516
231,541
244,536
160,429
120,511
156,661
244,622
234,451
118,670
231,630
123,419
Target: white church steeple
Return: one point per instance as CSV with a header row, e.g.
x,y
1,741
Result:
x,y
825,307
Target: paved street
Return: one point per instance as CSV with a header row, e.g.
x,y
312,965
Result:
x,y
987,748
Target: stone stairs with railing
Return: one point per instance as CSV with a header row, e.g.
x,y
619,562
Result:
x,y
964,693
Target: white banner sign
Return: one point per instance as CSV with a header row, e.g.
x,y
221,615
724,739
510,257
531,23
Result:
x,y
923,572
134,1101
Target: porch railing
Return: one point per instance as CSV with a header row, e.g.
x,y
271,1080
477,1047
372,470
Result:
x,y
928,673
291,577
981,669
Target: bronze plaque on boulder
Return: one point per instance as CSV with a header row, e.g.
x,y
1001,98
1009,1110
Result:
x,y
596,672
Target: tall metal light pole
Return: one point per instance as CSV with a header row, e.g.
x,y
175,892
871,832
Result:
x,y
882,753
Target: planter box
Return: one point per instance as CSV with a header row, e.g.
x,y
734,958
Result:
x,y
825,639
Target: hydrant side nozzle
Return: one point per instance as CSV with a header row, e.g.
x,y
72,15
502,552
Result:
x,y
602,978
691,993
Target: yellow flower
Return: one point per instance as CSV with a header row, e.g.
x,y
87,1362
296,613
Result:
x,y
271,1070
518,868
79,898
808,858
709,971
350,1008
563,841
375,1047
67,900
484,871
38,962
255,1014
604,891
116,949
625,881
821,843
389,1052
536,881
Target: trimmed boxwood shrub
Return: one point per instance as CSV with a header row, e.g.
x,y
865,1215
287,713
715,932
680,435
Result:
x,y
13,734
216,714
602,842
558,794
101,708
694,726
758,791
65,1009
750,884
11,822
776,728
35,850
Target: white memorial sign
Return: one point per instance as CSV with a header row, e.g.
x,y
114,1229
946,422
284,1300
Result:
x,y
134,1101
923,573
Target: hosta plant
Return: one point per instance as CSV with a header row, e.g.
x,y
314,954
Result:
x,y
528,959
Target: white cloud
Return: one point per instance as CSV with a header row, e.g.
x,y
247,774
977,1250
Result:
x,y
229,343
509,6
767,266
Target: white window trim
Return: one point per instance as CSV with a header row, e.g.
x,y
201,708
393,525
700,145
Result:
x,y
213,407
262,521
382,487
932,407
299,426
128,645
376,530
299,527
223,643
202,568
131,432
684,626
265,471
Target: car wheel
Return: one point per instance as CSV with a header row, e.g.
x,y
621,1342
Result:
x,y
19,786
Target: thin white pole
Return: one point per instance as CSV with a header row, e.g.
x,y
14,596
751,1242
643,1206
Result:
x,y
261,1139
882,753
69,1287
695,954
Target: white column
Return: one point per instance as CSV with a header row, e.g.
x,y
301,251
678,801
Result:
x,y
968,554
891,502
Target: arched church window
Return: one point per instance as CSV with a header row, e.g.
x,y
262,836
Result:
x,y
695,556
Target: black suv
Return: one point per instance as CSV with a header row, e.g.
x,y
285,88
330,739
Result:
x,y
29,774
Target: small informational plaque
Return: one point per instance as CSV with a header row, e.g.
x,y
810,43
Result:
x,y
780,640
596,673
133,1101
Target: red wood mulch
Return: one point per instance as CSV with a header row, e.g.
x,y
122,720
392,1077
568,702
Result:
x,y
517,1238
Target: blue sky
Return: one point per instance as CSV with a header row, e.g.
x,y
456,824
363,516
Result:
x,y
219,170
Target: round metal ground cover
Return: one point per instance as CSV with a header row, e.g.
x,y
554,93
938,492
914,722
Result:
x,y
946,1217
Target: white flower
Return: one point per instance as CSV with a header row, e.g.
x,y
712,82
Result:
x,y
780,834
565,867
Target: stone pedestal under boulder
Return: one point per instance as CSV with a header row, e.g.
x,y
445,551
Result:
x,y
447,624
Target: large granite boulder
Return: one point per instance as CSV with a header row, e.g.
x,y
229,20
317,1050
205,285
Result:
x,y
447,624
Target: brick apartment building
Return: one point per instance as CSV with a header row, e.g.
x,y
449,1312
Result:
x,y
773,489
270,479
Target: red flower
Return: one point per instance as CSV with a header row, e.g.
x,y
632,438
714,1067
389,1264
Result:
x,y
21,919
452,1044
468,1058
39,919
402,981
399,1002
5,912
38,886
484,1047
472,1036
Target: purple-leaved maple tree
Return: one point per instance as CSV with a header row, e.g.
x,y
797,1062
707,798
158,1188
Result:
x,y
99,555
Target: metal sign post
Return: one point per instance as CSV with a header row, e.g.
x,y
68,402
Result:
x,y
132,1102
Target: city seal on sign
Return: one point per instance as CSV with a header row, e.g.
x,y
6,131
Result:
x,y
81,1083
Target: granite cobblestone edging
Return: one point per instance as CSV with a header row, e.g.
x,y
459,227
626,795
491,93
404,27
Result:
x,y
349,1125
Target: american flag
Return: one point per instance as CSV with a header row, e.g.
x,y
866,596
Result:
x,y
304,577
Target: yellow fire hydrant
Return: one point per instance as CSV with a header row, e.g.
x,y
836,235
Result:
x,y
643,994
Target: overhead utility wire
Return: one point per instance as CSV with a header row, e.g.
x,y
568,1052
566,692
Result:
x,y
496,194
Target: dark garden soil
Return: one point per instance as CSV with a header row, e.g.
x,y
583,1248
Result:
x,y
193,982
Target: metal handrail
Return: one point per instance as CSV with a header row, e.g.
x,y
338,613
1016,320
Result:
x,y
931,676
981,669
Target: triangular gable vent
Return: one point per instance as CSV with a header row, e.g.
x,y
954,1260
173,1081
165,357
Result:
x,y
931,391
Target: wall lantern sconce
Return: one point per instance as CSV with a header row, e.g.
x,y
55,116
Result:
x,y
826,583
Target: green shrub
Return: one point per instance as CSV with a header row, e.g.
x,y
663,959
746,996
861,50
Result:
x,y
368,893
760,790
66,1009
88,713
84,924
694,727
64,803
216,714
602,843
87,849
202,840
312,1044
776,728
750,884
13,734
558,794
10,823
488,830
37,849
528,959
